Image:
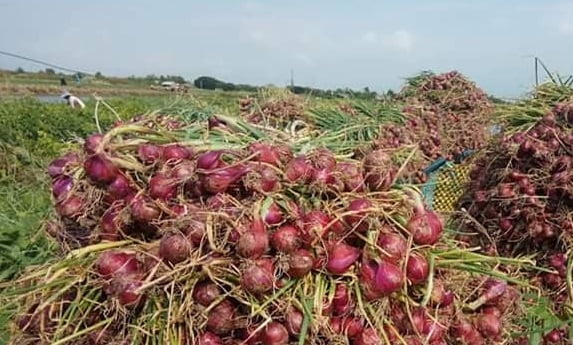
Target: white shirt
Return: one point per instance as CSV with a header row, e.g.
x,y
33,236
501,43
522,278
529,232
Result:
x,y
75,102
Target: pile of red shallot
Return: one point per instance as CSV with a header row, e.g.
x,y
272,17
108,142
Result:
x,y
445,116
456,114
449,92
520,199
250,245
272,110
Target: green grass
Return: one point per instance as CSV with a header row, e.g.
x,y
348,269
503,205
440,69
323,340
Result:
x,y
22,208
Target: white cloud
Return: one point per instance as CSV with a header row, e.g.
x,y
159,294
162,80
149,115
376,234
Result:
x,y
257,36
251,6
260,37
305,59
399,40
369,37
566,28
560,18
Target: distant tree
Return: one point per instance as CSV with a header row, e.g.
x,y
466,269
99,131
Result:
x,y
98,74
245,87
208,83
20,70
176,78
496,100
50,71
228,87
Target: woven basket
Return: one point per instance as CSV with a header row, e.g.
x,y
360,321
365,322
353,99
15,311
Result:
x,y
446,183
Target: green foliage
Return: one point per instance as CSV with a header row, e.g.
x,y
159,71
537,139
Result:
x,y
419,79
496,100
551,93
414,82
347,132
540,318
365,94
40,129
210,83
175,78
526,112
22,208
24,204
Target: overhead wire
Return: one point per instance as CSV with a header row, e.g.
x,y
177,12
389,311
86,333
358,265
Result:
x,y
22,57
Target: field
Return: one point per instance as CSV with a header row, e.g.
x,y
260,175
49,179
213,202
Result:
x,y
33,133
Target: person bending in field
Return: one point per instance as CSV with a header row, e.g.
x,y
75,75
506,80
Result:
x,y
73,101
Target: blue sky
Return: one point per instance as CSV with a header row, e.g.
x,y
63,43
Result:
x,y
328,43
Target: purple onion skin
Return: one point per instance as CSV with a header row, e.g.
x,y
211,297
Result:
x,y
273,215
394,246
389,278
210,160
120,188
61,187
257,279
426,227
175,248
206,293
162,187
117,263
149,153
144,210
417,269
286,239
176,153
209,338
93,142
221,319
70,207
341,258
301,262
100,169
275,334
58,166
112,223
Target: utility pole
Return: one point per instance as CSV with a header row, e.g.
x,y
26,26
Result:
x,y
536,72
545,69
292,79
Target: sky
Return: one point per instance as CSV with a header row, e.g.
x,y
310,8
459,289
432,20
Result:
x,y
326,43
